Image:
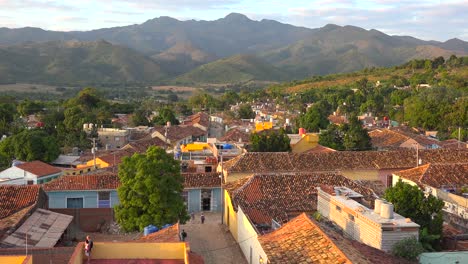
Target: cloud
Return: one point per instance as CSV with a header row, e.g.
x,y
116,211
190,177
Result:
x,y
426,20
71,19
35,4
173,5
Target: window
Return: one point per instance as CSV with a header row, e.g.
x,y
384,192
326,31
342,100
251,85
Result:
x,y
338,208
117,139
74,202
351,217
30,182
208,168
104,200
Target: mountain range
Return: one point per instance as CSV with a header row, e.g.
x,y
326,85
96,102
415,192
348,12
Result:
x,y
231,49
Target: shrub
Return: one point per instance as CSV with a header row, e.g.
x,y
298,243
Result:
x,y
408,248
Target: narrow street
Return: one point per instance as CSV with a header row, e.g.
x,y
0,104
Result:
x,y
212,240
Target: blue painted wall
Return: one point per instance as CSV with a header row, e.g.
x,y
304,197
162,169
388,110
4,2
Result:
x,y
194,200
90,198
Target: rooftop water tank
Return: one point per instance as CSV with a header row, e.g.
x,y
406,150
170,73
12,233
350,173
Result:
x,y
386,210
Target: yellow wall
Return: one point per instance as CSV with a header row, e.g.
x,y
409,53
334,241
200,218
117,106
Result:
x,y
232,215
309,141
371,175
15,259
395,179
263,126
109,250
139,250
99,164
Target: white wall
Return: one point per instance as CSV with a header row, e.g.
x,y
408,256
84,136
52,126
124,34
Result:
x,y
19,174
248,238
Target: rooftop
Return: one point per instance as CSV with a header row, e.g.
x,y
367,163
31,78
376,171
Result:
x,y
117,156
13,198
261,162
170,234
236,135
102,181
280,196
38,168
176,133
143,144
301,241
200,118
42,229
198,180
437,175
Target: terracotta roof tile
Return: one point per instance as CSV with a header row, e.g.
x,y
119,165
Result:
x,y
337,119
142,145
320,149
39,168
176,133
260,162
437,175
198,180
453,144
388,139
279,196
103,181
116,157
236,135
301,241
14,198
201,118
170,234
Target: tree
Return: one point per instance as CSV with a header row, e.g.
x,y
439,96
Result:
x,y
356,137
409,201
150,191
139,118
30,145
165,115
246,112
270,141
315,118
332,137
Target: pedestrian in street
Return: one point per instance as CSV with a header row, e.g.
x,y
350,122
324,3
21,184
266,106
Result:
x,y
202,217
192,216
88,247
183,235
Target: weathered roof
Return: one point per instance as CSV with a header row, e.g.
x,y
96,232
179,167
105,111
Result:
x,y
319,149
384,138
102,181
38,168
200,118
143,144
117,156
261,162
236,135
43,228
14,198
175,133
198,180
437,175
453,144
301,241
169,234
277,196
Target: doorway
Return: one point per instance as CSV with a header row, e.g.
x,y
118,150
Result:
x,y
206,199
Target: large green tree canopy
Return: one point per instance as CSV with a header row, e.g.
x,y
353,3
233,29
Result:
x,y
150,191
270,141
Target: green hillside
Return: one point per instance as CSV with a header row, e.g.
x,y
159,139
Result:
x,y
76,62
334,49
239,68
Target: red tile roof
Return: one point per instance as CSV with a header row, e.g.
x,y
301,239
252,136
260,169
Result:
x,y
143,144
170,234
104,181
38,168
301,241
453,144
200,118
388,139
14,198
198,180
279,196
117,156
260,162
320,149
236,135
337,119
437,175
176,133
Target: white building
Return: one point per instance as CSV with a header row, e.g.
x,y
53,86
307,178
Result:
x,y
380,228
34,172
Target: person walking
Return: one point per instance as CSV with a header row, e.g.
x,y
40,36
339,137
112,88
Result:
x,y
192,216
202,218
183,235
88,247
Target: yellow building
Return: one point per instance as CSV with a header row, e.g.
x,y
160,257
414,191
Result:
x,y
16,259
307,142
260,126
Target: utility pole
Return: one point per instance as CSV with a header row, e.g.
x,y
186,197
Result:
x,y
459,137
222,191
417,155
94,152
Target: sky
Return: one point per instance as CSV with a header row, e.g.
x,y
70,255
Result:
x,y
424,19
